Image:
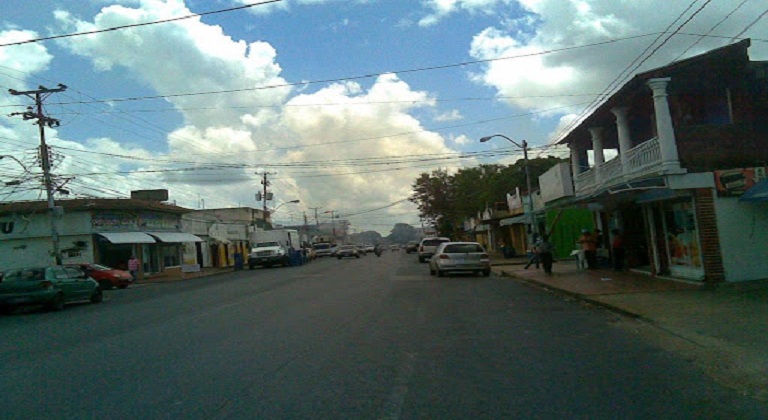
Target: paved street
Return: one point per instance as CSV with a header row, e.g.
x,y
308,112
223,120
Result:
x,y
357,338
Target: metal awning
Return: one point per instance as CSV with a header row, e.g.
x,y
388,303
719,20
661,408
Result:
x,y
522,219
175,237
128,237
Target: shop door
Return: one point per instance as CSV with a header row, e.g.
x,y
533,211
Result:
x,y
681,235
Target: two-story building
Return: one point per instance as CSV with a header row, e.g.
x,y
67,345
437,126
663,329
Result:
x,y
686,141
225,232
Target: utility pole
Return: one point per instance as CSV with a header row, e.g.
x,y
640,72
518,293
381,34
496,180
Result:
x,y
317,223
36,113
265,195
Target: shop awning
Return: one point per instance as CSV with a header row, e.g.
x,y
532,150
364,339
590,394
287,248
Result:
x,y
758,192
175,237
128,237
522,219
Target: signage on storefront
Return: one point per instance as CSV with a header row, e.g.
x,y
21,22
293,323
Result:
x,y
734,182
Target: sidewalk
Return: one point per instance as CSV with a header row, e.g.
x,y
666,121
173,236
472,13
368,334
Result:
x,y
725,329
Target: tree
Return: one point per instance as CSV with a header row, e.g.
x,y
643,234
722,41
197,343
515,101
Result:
x,y
402,233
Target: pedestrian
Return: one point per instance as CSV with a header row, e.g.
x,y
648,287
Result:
x,y
133,267
534,257
617,250
589,247
545,249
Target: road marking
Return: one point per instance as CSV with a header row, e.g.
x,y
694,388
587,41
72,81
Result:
x,y
393,407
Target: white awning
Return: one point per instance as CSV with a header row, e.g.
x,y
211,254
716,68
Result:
x,y
522,219
175,237
128,237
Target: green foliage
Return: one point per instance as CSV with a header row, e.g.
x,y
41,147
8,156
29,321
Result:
x,y
446,200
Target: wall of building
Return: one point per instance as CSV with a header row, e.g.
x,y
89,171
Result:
x,y
743,229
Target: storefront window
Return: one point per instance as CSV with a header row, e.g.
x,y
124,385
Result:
x,y
682,235
170,255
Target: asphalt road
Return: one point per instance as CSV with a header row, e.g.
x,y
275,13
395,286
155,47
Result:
x,y
357,338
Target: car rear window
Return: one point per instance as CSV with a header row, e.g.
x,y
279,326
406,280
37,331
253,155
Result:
x,y
28,274
433,242
462,248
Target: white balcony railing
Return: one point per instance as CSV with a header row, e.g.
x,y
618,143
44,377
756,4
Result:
x,y
643,159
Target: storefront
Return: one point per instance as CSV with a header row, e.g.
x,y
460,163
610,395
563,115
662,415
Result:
x,y
674,236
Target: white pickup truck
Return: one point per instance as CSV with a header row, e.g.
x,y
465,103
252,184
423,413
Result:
x,y
272,247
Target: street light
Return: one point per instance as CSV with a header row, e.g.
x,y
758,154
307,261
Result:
x,y
333,222
523,146
282,204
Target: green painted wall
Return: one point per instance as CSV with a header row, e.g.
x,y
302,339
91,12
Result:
x,y
568,229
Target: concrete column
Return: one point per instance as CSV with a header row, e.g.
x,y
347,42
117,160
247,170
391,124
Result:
x,y
575,160
670,162
597,148
625,140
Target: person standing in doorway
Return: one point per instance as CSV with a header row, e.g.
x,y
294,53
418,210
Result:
x,y
617,250
589,246
546,250
133,267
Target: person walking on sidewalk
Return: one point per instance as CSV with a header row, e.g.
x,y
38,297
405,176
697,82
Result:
x,y
133,267
589,246
617,250
534,257
545,250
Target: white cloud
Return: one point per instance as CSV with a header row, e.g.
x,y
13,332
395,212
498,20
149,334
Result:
x,y
539,80
443,8
452,115
342,121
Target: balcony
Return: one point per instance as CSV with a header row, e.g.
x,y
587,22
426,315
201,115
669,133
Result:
x,y
640,161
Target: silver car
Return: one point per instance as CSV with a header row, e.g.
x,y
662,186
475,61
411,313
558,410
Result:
x,y
460,257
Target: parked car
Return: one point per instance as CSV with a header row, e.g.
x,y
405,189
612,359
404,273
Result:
x,y
347,251
394,247
460,256
52,286
412,246
427,247
361,249
107,277
369,248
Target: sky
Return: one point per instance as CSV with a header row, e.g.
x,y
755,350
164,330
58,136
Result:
x,y
343,103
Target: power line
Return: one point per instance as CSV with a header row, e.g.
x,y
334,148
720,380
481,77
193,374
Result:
x,y
134,25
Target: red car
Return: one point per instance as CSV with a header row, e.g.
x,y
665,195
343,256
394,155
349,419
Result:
x,y
107,277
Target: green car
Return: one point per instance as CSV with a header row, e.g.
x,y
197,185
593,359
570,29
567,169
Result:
x,y
52,286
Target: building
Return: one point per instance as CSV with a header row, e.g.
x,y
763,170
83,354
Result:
x,y
665,160
100,230
225,233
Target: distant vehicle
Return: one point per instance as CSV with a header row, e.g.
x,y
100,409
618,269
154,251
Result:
x,y
322,249
272,247
52,286
412,246
427,247
394,247
369,248
361,249
347,251
452,257
107,277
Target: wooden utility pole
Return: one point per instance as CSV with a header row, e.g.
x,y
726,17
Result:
x,y
39,95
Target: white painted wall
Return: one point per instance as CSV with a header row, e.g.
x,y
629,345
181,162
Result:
x,y
743,229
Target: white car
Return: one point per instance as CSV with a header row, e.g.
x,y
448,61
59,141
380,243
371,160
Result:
x,y
427,247
460,257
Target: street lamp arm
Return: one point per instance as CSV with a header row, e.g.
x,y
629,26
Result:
x,y
287,202
486,138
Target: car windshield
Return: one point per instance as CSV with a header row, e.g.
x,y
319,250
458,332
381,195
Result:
x,y
321,246
266,244
462,248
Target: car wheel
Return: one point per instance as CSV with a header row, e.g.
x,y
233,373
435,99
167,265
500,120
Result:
x,y
105,285
431,271
357,256
57,304
486,273
339,257
97,296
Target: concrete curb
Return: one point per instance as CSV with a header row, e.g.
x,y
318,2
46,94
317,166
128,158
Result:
x,y
575,295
